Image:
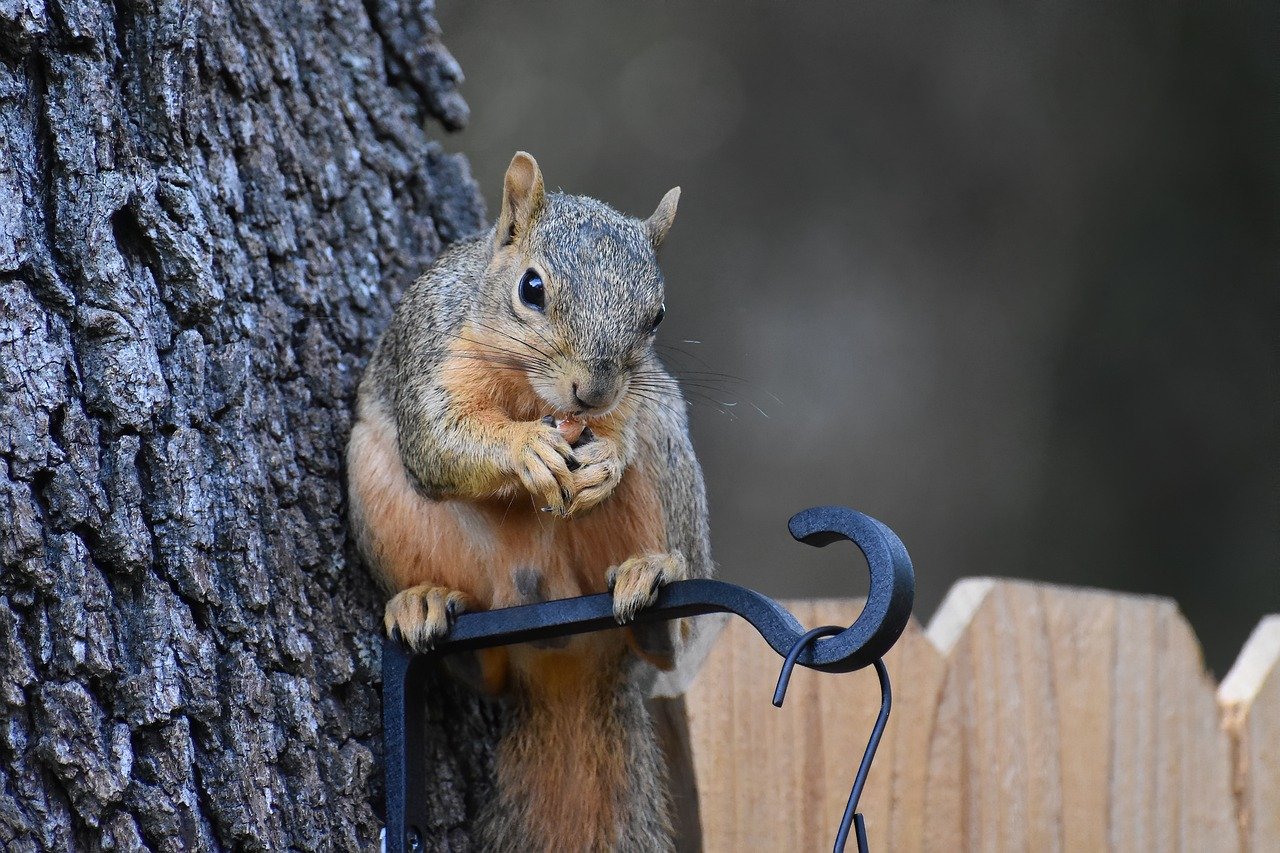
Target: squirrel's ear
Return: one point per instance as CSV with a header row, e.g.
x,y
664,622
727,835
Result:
x,y
522,197
659,223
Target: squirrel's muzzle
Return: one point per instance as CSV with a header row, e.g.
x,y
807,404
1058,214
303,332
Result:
x,y
598,388
594,395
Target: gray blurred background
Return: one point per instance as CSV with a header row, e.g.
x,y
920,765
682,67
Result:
x,y
1002,275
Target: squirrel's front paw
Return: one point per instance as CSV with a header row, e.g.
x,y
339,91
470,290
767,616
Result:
x,y
542,458
421,615
636,582
599,472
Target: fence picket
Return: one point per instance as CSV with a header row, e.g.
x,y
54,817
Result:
x,y
1027,717
1250,700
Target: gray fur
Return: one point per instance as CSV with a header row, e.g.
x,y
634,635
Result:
x,y
607,287
403,372
604,289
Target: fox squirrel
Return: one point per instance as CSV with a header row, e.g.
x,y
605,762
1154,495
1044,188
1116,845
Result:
x,y
517,440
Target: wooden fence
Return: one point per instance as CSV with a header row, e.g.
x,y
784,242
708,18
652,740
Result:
x,y
1027,717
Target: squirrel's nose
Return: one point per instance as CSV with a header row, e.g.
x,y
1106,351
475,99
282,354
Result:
x,y
593,397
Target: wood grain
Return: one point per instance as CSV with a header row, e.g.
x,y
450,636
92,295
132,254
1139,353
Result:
x,y
1027,717
778,778
1250,699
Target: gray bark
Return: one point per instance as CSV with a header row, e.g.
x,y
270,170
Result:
x,y
207,211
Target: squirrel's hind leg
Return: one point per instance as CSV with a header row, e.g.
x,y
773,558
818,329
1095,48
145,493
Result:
x,y
635,585
659,643
486,671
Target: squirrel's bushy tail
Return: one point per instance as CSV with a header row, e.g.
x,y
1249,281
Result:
x,y
578,768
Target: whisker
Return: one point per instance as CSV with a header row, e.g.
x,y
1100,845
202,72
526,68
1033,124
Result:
x,y
514,364
691,389
671,389
683,352
507,352
711,374
705,386
513,338
667,397
557,349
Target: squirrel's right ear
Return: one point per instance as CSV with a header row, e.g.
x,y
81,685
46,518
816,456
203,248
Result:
x,y
660,221
522,198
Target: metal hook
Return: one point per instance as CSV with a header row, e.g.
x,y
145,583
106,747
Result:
x,y
789,662
851,819
873,633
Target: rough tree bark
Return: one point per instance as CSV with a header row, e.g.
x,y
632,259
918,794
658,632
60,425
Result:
x,y
206,213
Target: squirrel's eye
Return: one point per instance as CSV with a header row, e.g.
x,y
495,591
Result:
x,y
532,292
662,312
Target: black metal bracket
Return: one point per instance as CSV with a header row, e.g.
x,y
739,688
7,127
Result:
x,y
883,618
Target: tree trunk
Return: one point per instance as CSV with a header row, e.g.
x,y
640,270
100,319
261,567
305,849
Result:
x,y
207,211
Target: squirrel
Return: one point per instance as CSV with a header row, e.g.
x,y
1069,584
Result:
x,y
518,440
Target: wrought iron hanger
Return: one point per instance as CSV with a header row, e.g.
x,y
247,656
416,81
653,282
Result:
x,y
828,649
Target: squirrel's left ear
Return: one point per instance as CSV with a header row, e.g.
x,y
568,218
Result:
x,y
522,198
660,222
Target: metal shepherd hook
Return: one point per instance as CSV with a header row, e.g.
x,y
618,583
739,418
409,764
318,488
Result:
x,y
862,644
896,585
851,815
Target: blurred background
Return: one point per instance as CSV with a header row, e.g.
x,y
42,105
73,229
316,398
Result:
x,y
1004,276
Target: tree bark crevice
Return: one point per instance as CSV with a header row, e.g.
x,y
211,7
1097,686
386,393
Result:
x,y
207,212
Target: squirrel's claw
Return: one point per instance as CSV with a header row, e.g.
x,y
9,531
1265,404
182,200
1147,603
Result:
x,y
597,476
542,458
422,615
636,582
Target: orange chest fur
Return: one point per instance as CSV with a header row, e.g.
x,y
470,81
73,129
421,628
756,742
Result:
x,y
501,552
525,555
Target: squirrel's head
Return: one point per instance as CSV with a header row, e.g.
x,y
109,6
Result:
x,y
573,294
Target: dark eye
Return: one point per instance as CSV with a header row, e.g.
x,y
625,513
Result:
x,y
662,312
532,293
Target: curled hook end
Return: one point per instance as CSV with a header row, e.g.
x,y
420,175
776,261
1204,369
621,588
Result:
x,y
889,597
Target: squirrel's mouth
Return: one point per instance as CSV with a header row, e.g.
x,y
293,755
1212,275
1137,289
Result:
x,y
580,415
571,427
567,403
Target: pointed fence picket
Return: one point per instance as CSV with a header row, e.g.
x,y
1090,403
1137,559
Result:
x,y
1027,717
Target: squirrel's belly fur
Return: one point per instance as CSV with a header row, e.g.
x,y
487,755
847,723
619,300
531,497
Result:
x,y
563,773
486,548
